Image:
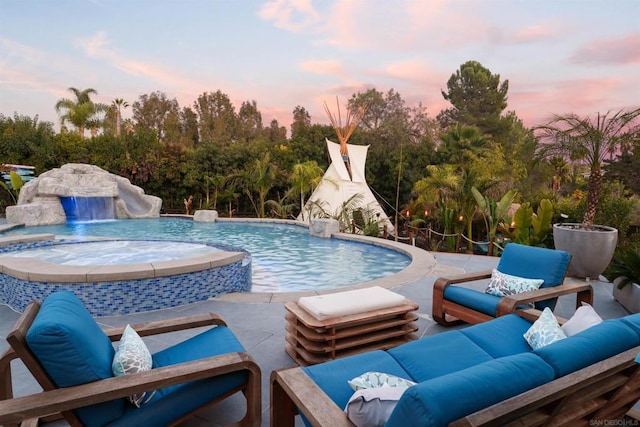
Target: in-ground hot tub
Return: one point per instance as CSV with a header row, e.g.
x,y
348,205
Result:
x,y
122,276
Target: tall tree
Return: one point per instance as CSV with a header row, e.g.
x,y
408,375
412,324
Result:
x,y
250,120
218,119
118,105
81,112
477,96
156,112
590,140
301,121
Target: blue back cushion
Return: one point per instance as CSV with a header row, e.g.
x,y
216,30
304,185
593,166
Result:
x,y
73,350
438,355
590,346
332,376
633,321
532,262
439,401
474,299
500,337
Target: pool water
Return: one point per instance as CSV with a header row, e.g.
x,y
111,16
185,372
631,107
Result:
x,y
285,258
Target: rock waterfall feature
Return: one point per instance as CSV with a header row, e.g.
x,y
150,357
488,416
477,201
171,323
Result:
x,y
39,202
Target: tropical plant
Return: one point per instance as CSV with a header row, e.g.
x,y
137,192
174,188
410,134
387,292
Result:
x,y
259,178
585,139
16,184
493,212
625,267
528,228
82,113
304,178
281,208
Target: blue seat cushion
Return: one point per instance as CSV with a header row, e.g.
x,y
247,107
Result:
x,y
438,355
474,299
590,346
441,400
332,376
74,350
171,403
500,337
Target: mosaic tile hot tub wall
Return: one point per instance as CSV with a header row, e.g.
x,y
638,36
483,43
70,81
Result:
x,y
132,296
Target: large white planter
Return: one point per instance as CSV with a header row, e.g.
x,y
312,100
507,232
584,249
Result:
x,y
591,250
628,296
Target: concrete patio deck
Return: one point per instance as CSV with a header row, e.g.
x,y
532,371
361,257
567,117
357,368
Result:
x,y
258,321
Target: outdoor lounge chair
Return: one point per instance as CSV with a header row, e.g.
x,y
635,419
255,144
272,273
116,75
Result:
x,y
453,304
70,356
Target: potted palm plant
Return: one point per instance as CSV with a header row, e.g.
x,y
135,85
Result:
x,y
624,273
588,140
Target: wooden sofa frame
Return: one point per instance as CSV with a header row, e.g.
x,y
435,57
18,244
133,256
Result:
x,y
595,395
449,313
53,402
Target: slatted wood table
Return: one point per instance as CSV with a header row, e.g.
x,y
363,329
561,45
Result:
x,y
310,341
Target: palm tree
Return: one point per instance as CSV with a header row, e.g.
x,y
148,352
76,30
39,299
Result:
x,y
462,145
561,173
304,178
81,112
118,104
259,177
588,140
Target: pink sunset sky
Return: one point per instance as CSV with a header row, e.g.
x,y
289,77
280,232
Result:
x,y
560,56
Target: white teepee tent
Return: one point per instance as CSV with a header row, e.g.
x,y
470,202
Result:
x,y
338,185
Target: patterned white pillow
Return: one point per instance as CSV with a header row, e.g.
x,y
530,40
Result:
x,y
378,379
132,356
544,331
503,285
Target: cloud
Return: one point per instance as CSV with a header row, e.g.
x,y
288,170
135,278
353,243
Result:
x,y
98,46
619,51
537,32
328,67
291,15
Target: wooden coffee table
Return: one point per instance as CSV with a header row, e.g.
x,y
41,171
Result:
x,y
310,341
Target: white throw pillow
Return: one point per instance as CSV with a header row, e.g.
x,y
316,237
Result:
x,y
372,407
132,356
503,285
544,331
378,379
584,318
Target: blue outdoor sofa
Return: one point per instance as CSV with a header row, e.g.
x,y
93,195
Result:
x,y
486,374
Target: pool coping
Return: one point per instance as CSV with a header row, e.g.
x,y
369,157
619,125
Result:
x,y
36,270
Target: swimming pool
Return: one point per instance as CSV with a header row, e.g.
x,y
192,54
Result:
x,y
285,258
